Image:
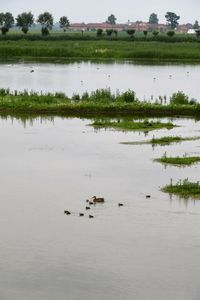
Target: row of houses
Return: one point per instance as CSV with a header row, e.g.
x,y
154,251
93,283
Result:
x,y
139,26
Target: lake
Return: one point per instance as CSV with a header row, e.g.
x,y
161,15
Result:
x,y
148,81
148,249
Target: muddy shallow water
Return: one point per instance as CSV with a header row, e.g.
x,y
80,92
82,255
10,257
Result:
x,y
148,81
148,249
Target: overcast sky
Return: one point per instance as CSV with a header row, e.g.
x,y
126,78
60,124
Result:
x,y
98,10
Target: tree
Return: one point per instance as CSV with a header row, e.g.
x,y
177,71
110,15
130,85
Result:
x,y
172,19
64,23
196,25
155,33
99,32
25,21
109,32
6,21
170,33
130,32
153,19
145,32
46,21
197,32
111,20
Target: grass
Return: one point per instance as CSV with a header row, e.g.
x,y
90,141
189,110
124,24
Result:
x,y
63,50
96,104
179,161
163,141
145,125
185,189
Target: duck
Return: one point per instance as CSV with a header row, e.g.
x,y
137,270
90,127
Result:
x,y
91,216
66,212
148,196
98,200
81,215
120,204
87,208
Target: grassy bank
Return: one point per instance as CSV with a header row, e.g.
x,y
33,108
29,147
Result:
x,y
163,141
132,125
185,189
179,161
99,49
98,103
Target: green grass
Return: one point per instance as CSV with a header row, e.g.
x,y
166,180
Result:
x,y
184,189
163,141
98,50
179,161
132,125
96,104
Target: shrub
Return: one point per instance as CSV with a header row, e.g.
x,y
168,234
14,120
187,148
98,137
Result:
x,y
99,32
170,33
179,98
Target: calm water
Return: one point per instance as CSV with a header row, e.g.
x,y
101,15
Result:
x,y
148,81
148,249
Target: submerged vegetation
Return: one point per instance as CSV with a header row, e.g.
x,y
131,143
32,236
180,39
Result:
x,y
145,125
98,103
163,141
185,189
180,161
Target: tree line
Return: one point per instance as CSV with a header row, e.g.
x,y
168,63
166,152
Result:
x,y
26,20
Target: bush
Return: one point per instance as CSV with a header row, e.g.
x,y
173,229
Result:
x,y
99,32
109,32
179,99
170,33
128,97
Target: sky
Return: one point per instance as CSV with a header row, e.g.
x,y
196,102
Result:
x,y
99,10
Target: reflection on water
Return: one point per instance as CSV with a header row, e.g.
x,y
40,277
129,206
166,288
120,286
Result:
x,y
148,81
148,249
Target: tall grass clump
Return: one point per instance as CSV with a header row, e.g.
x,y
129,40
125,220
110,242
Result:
x,y
183,188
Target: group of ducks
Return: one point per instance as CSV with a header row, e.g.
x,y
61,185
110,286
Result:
x,y
93,201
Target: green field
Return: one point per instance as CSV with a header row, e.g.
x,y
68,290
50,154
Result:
x,y
55,50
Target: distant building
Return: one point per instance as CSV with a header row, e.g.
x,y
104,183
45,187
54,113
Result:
x,y
138,26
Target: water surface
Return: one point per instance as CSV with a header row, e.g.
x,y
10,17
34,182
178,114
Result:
x,y
148,81
148,249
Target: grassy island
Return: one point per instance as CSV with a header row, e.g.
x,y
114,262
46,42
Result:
x,y
179,161
185,189
96,104
163,141
145,125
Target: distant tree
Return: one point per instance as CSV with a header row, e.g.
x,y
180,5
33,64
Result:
x,y
99,32
115,32
145,32
111,19
46,21
153,19
155,33
64,23
130,32
170,33
109,32
25,21
196,25
172,19
197,32
6,21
